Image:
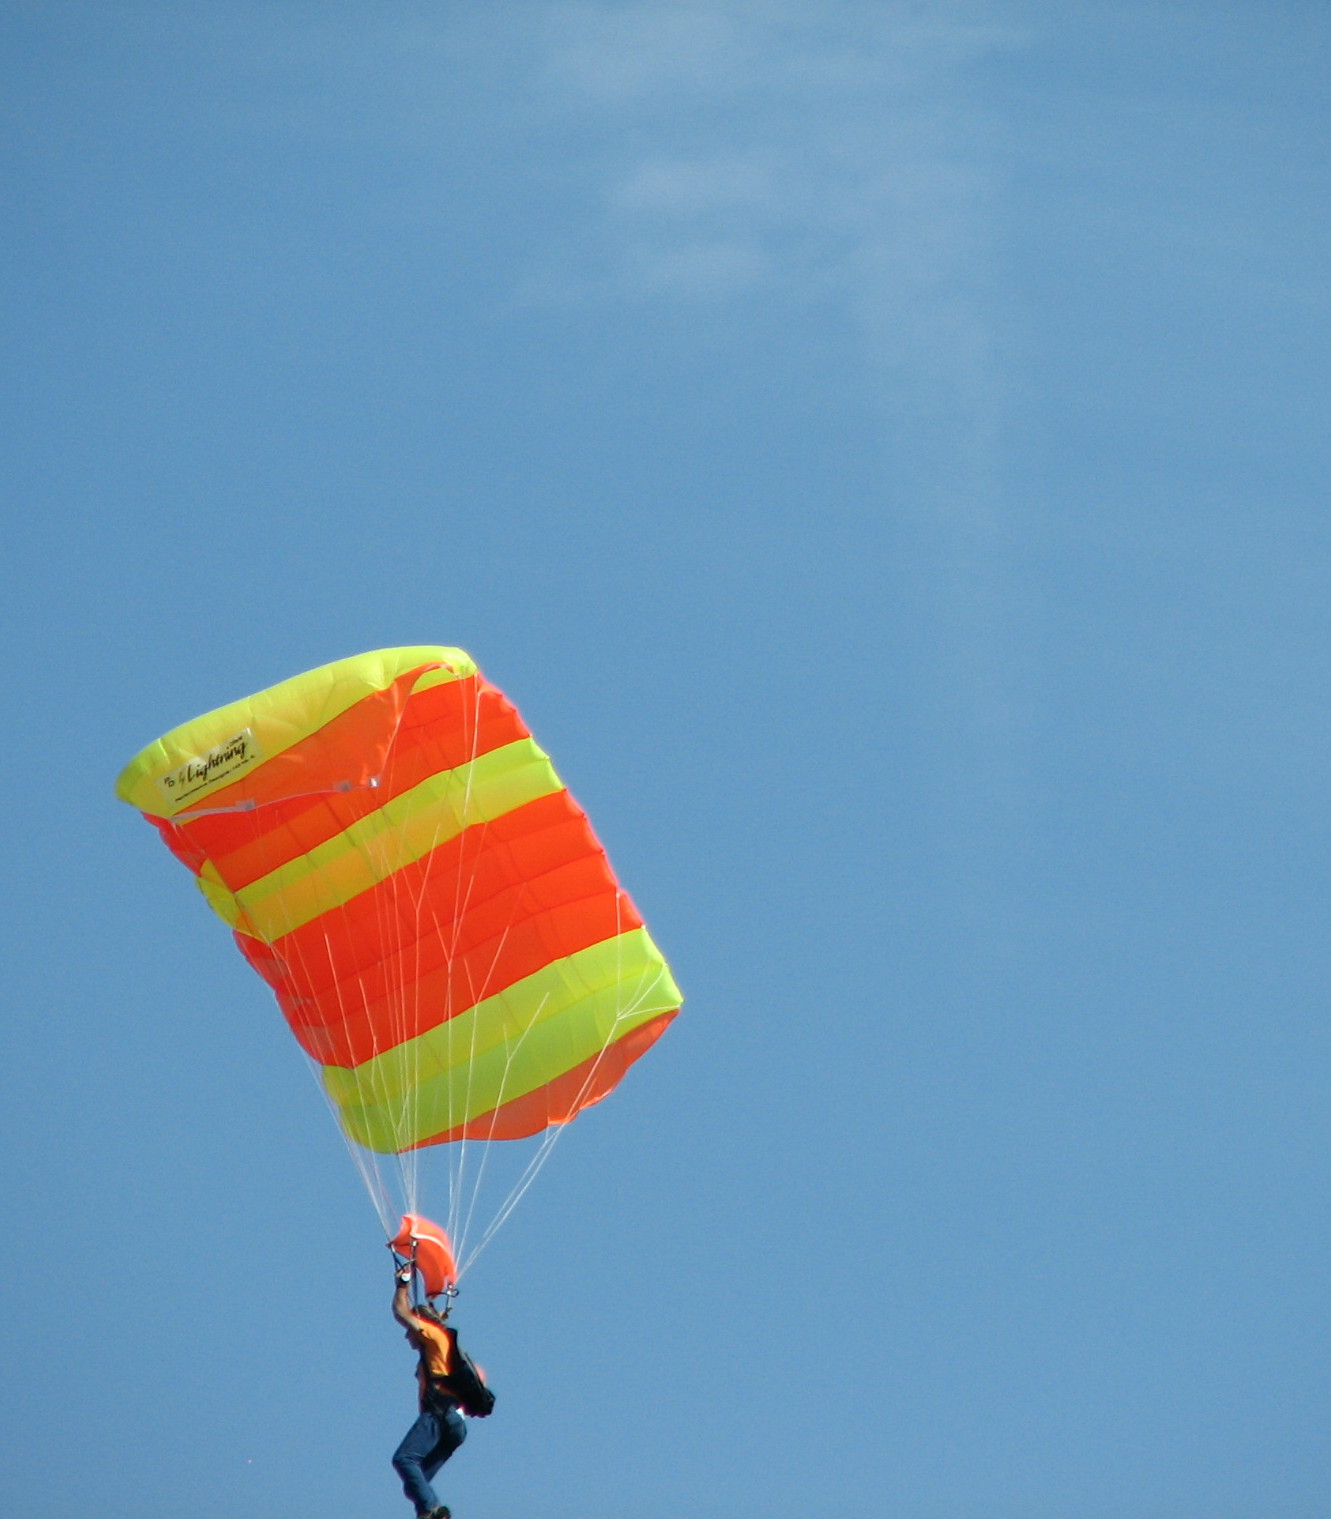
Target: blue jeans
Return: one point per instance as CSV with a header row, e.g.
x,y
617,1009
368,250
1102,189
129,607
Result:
x,y
429,1442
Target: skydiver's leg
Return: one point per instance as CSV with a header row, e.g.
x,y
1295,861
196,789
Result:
x,y
452,1432
414,1464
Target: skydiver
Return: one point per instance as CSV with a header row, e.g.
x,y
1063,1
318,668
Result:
x,y
439,1428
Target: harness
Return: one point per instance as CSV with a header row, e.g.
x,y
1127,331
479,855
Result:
x,y
436,1392
463,1387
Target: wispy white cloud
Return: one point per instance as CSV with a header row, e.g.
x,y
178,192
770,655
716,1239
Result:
x,y
718,158
813,152
818,148
800,152
711,157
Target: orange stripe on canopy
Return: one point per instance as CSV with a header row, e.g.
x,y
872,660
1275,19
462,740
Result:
x,y
526,846
436,730
357,1018
441,935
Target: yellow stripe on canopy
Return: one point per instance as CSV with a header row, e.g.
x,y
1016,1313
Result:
x,y
399,833
506,1046
277,718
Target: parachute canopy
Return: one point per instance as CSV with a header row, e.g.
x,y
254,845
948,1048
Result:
x,y
400,863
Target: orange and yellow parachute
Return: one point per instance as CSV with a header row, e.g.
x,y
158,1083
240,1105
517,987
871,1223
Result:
x,y
400,863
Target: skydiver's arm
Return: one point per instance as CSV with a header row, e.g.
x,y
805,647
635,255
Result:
x,y
402,1302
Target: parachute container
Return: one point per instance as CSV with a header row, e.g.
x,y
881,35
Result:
x,y
399,861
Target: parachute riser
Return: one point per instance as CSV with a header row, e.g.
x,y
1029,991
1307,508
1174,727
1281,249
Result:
x,y
419,1296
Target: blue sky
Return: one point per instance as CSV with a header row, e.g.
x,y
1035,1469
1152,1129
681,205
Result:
x,y
882,449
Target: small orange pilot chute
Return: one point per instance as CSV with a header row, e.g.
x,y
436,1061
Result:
x,y
429,1248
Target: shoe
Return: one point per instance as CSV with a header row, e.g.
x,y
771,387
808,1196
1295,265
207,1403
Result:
x,y
442,1512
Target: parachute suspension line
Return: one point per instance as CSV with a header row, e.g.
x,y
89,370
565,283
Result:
x,y
405,934
462,899
400,934
466,1176
428,864
477,994
494,1119
386,895
404,913
365,1161
368,1163
549,1139
626,1009
533,1168
467,1197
